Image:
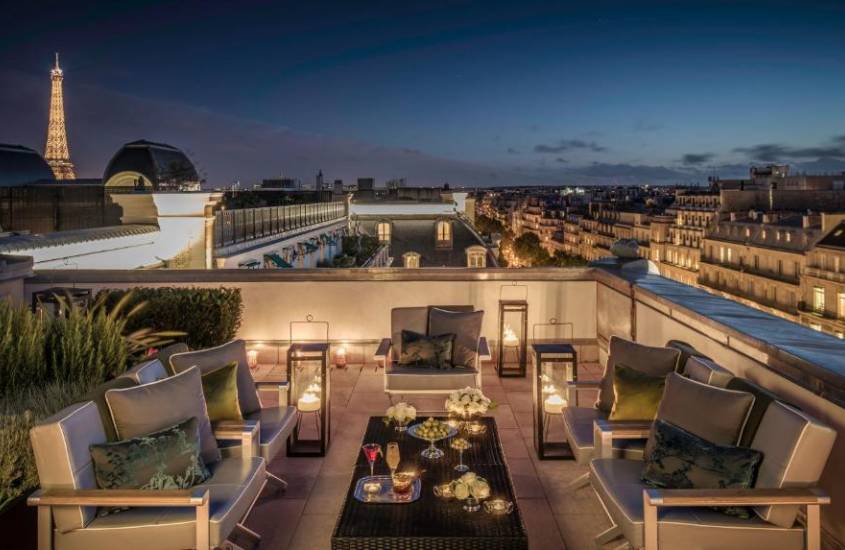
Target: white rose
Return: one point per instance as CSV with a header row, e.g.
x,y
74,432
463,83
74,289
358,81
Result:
x,y
480,489
465,399
391,411
468,478
460,490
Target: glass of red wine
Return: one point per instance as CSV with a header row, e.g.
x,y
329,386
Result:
x,y
371,451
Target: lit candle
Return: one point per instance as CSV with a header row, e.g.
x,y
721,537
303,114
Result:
x,y
340,357
309,402
252,358
509,338
554,404
498,506
372,487
313,387
549,388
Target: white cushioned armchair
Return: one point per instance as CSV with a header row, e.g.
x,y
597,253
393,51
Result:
x,y
470,348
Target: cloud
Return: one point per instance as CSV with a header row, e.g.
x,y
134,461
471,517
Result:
x,y
774,152
512,151
646,126
697,158
561,160
568,145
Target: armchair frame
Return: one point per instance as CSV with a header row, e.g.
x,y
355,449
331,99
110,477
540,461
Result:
x,y
605,431
45,499
245,432
810,498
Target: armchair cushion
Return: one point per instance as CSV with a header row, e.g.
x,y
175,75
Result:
x,y
646,359
762,399
60,444
715,414
618,485
578,424
406,318
681,460
98,396
213,358
409,379
276,424
795,449
636,394
146,372
151,407
220,387
166,459
465,325
426,351
704,370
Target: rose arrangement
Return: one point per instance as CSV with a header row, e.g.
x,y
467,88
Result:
x,y
468,402
470,485
401,413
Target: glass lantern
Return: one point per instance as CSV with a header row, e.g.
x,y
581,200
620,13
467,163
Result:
x,y
555,365
512,356
309,378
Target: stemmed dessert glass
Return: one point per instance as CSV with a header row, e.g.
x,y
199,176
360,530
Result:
x,y
460,444
371,451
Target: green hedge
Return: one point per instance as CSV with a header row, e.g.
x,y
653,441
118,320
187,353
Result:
x,y
208,316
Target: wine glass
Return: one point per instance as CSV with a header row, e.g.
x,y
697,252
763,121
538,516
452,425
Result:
x,y
392,457
371,451
460,444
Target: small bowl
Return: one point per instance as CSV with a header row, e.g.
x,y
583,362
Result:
x,y
402,483
444,491
498,506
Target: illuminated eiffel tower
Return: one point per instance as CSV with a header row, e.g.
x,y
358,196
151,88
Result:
x,y
56,152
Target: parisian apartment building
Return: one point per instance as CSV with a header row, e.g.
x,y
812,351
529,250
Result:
x,y
773,240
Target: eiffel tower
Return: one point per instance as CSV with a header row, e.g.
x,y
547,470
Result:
x,y
56,151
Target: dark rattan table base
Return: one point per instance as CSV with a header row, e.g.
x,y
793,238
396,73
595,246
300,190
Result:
x,y
431,523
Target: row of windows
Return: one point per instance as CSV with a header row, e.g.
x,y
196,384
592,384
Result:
x,y
443,232
476,257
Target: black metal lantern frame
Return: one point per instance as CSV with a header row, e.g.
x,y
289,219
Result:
x,y
555,365
309,377
54,300
512,357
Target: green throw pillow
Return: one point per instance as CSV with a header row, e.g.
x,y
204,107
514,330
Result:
x,y
682,460
167,459
220,387
636,395
420,350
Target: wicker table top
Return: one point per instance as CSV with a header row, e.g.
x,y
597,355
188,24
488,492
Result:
x,y
431,523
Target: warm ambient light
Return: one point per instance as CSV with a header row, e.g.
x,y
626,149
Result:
x,y
549,388
509,338
252,358
309,402
340,357
554,404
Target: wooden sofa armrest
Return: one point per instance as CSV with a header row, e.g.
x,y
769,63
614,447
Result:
x,y
119,497
605,431
280,386
484,350
198,498
245,432
812,498
383,350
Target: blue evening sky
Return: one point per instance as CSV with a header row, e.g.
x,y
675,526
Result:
x,y
553,91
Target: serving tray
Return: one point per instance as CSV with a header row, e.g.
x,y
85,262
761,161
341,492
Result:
x,y
385,494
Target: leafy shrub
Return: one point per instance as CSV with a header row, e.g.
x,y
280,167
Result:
x,y
19,412
208,317
21,347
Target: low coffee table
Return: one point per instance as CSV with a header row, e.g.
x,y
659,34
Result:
x,y
431,523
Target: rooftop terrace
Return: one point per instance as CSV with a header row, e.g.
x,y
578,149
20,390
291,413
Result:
x,y
805,367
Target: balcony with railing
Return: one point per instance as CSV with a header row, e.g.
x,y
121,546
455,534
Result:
x,y
800,365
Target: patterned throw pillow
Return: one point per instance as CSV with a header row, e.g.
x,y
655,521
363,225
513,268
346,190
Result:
x,y
636,394
682,460
220,387
167,459
419,350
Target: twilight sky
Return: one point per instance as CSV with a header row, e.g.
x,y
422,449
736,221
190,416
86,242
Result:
x,y
484,93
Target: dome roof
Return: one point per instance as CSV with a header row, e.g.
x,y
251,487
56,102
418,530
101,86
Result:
x,y
157,165
21,165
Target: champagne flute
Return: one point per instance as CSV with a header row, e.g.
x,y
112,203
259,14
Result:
x,y
392,458
371,451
